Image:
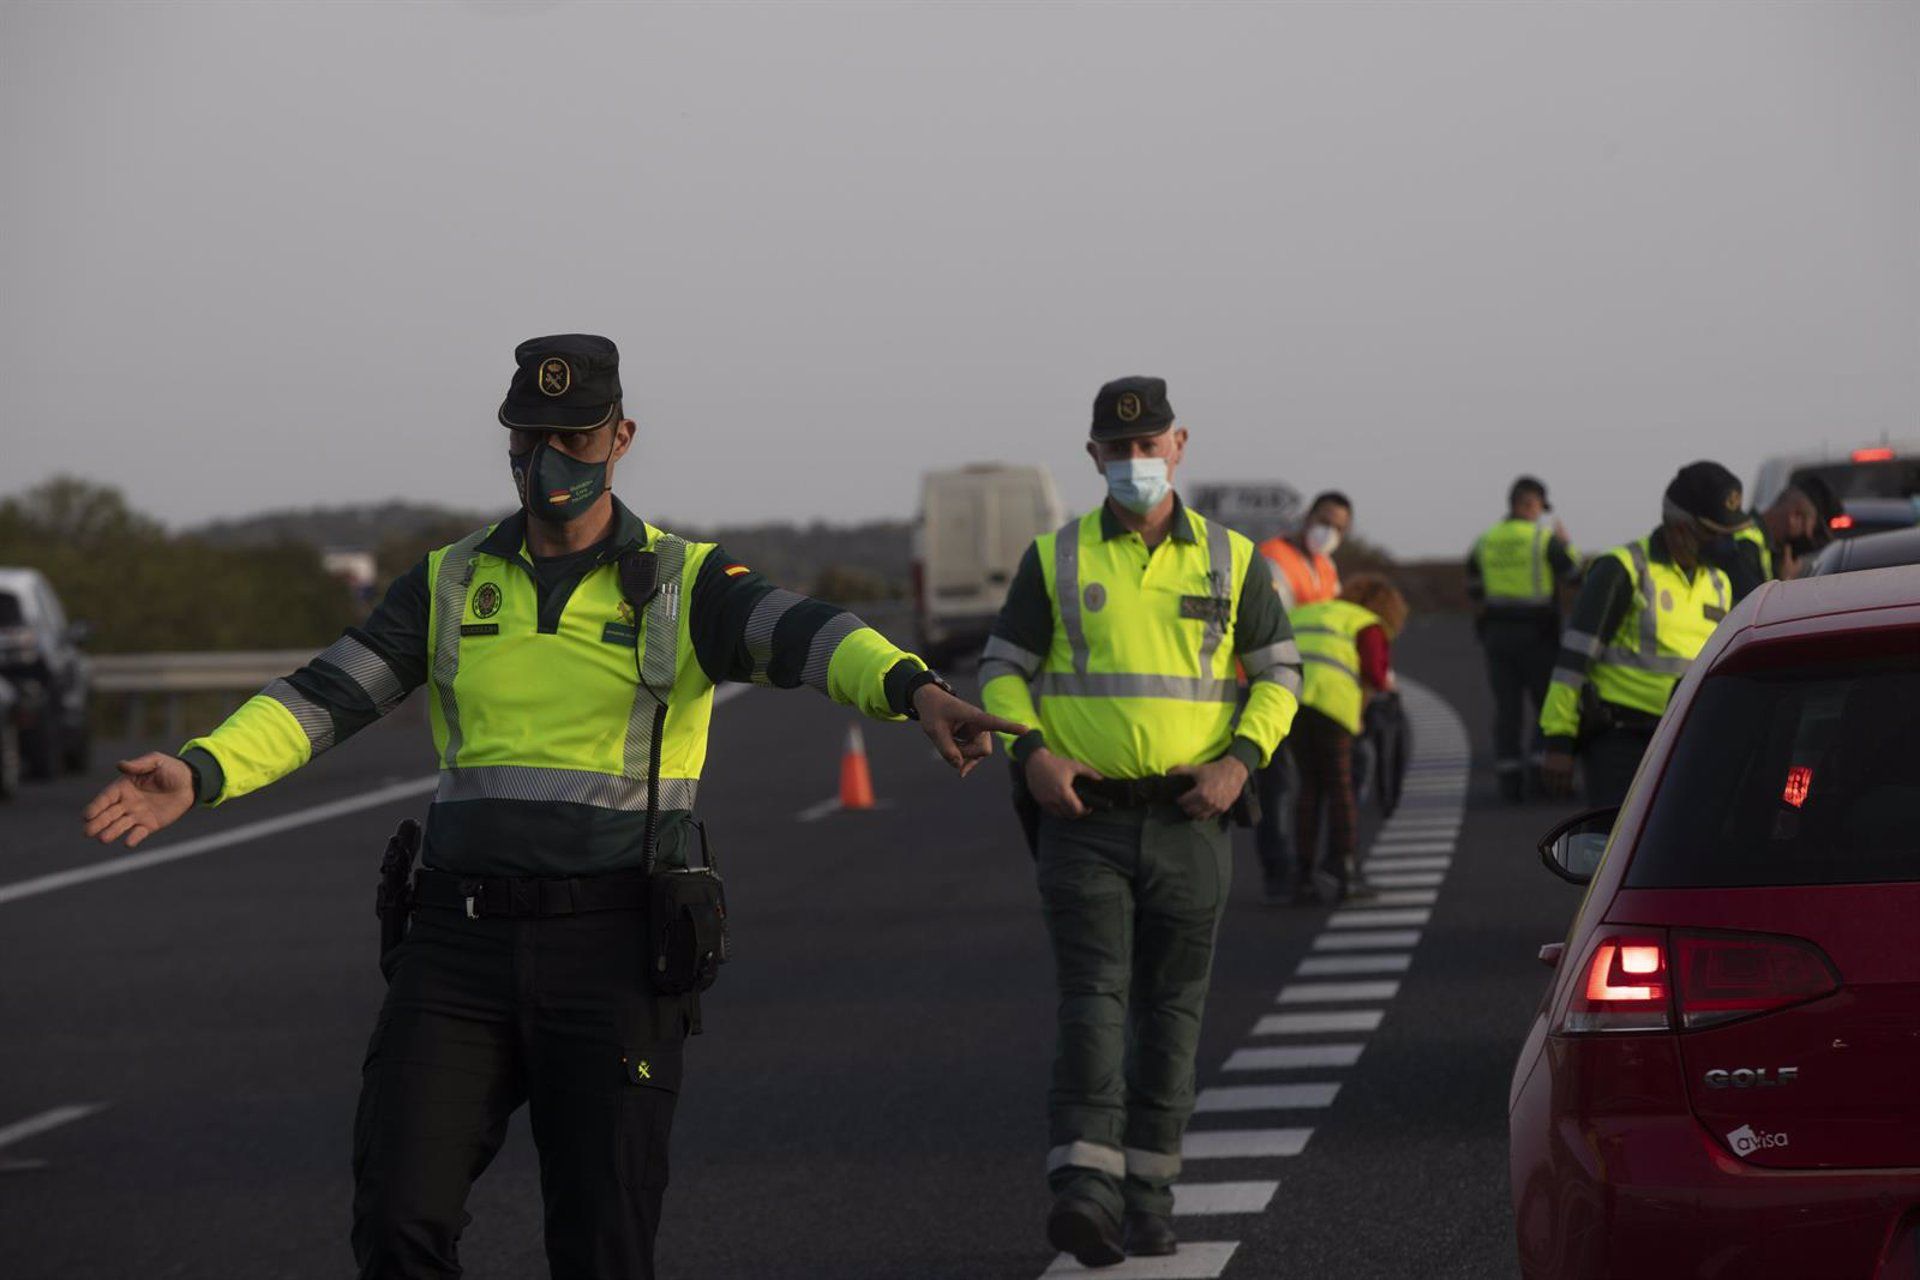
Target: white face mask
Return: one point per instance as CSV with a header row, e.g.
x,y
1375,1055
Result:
x,y
1138,484
1321,539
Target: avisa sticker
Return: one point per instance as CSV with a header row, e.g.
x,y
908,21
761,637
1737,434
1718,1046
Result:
x,y
1747,1140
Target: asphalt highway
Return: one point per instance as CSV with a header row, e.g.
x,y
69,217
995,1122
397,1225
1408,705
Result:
x,y
182,1041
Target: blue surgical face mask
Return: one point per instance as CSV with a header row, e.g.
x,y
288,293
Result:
x,y
555,486
1138,484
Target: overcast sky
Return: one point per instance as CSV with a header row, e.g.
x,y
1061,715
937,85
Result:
x,y
262,255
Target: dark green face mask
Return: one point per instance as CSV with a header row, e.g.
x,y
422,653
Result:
x,y
555,486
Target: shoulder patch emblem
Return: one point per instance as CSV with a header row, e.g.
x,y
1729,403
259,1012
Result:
x,y
735,570
486,600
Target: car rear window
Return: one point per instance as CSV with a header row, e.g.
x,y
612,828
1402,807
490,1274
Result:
x,y
1895,478
1793,775
10,614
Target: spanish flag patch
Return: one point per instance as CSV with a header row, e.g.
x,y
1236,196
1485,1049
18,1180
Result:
x,y
735,570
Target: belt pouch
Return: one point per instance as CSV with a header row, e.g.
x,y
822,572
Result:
x,y
687,915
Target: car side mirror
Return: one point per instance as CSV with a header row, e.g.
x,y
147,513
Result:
x,y
79,633
1573,849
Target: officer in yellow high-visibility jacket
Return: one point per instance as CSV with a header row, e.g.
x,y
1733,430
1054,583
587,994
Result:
x,y
1514,575
1118,640
1644,612
573,652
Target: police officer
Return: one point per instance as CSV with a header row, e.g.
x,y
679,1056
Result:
x,y
1301,565
1125,626
1643,614
1778,540
1514,575
572,651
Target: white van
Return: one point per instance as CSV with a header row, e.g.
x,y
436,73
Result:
x,y
975,523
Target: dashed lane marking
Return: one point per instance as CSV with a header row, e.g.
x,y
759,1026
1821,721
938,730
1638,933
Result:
x,y
1406,879
1388,849
34,1126
1407,864
1319,1023
1384,939
1405,898
1265,1097
1337,992
1241,1144
1195,1261
1376,919
1332,966
1192,1199
1295,1057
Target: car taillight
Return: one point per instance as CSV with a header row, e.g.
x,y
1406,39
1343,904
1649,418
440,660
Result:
x,y
1876,454
1623,988
1723,977
1799,783
1840,522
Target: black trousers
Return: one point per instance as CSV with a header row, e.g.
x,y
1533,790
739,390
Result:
x,y
1520,654
480,1017
1273,834
1610,760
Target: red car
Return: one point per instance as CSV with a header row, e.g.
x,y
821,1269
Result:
x,y
1724,1077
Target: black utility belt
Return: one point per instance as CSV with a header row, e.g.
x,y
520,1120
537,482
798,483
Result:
x,y
1132,793
530,897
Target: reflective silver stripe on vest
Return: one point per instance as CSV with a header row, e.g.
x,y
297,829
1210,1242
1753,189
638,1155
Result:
x,y
1581,642
1088,1155
825,641
1220,576
450,605
1311,630
1327,660
560,786
1259,660
1066,590
766,615
993,668
1286,677
1648,657
366,669
315,720
1115,684
659,661
1021,660
1659,664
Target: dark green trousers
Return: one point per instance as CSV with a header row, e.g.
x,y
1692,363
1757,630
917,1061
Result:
x,y
1133,900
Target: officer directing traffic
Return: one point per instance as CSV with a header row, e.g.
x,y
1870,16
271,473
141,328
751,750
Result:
x,y
1643,614
573,651
1514,575
1123,628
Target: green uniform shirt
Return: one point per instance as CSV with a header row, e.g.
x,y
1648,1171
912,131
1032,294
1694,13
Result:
x,y
489,819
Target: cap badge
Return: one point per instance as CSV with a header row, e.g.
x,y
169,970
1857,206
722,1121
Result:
x,y
1733,499
1127,407
556,375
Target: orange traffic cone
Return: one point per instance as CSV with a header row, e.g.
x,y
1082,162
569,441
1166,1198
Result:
x,y
856,784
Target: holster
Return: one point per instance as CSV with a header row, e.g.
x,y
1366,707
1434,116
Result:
x,y
393,899
1596,717
687,929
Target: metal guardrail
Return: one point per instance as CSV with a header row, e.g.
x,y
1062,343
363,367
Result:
x,y
194,672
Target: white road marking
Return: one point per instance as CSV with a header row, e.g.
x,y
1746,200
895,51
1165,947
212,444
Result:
x,y
1383,939
1428,863
1405,879
1337,992
1330,966
1295,1056
1196,1261
1406,898
33,1126
831,805
1375,919
1192,1199
1238,1144
1403,847
1318,1023
249,831
1266,1097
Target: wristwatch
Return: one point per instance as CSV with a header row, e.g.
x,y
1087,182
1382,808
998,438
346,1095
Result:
x,y
916,682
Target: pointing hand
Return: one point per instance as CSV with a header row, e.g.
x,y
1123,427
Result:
x,y
961,732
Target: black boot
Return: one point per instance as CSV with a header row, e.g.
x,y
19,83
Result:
x,y
1149,1235
1086,1230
